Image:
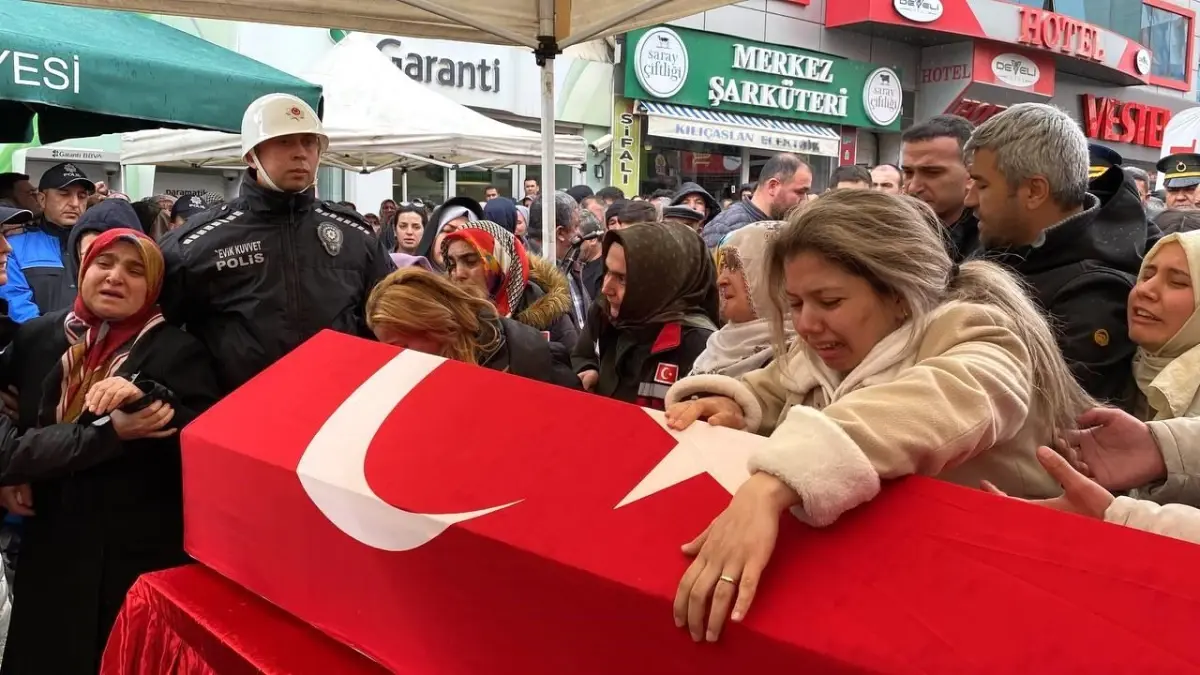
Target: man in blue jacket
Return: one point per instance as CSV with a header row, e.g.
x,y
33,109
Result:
x,y
38,281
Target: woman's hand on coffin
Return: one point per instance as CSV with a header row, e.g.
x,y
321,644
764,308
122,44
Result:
x,y
718,411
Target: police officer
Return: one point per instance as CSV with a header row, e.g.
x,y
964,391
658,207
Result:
x,y
38,282
1100,159
259,275
186,207
1181,175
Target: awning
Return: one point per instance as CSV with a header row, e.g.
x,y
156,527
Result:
x,y
747,131
86,72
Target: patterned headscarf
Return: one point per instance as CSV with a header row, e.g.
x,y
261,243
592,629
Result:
x,y
99,347
505,261
745,250
669,275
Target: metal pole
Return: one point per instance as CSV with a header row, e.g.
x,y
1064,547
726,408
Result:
x,y
548,224
404,185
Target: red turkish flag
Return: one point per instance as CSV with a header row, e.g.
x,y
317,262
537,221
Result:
x,y
323,484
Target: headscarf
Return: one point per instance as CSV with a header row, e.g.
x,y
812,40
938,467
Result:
x,y
669,274
98,347
453,208
737,349
403,260
506,264
503,212
1170,377
524,211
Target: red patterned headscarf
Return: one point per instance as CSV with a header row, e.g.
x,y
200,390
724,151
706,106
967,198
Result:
x,y
99,347
505,261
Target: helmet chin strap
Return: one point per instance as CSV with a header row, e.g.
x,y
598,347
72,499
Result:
x,y
266,177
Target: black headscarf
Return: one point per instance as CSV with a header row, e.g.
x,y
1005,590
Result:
x,y
503,212
669,275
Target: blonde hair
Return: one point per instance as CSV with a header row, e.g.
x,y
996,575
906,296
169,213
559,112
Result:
x,y
414,301
897,244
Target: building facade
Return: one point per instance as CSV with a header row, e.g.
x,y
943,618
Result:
x,y
1122,68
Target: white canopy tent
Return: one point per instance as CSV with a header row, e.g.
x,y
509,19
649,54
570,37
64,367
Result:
x,y
545,26
377,118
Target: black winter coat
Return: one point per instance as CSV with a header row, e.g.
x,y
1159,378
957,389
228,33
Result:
x,y
1081,273
257,276
107,511
639,365
525,352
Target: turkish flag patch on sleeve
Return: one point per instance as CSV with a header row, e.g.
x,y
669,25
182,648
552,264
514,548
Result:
x,y
666,373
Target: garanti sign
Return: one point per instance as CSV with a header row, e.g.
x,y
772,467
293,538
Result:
x,y
719,72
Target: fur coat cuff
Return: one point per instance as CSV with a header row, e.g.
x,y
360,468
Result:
x,y
817,459
719,385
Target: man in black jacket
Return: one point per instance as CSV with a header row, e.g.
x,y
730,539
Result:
x,y
1079,251
261,274
934,172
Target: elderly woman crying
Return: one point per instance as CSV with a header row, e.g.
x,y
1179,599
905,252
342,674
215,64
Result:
x,y
94,460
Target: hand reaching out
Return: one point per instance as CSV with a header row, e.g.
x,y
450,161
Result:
x,y
1081,495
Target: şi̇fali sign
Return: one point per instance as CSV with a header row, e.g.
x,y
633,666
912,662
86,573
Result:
x,y
719,72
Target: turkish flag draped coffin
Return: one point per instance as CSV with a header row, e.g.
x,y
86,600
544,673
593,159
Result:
x,y
450,520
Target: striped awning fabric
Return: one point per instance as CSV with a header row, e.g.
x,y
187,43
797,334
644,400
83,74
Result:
x,y
809,129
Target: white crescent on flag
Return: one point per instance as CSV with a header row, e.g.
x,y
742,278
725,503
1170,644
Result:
x,y
333,467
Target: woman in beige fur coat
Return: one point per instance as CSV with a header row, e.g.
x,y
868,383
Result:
x,y
904,364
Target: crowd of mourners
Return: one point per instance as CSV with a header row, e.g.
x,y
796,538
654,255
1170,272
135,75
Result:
x,y
1004,310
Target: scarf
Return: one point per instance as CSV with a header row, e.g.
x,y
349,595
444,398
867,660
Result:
x,y
669,275
1170,377
807,375
503,212
740,348
505,262
98,347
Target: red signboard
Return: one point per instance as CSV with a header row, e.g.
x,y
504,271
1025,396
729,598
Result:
x,y
1110,119
1047,30
977,112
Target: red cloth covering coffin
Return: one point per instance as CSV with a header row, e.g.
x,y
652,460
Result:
x,y
191,621
540,572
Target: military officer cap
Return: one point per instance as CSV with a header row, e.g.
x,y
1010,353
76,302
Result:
x,y
1181,170
1101,158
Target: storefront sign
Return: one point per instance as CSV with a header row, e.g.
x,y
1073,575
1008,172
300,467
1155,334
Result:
x,y
1110,119
712,132
921,11
977,112
479,75
36,70
708,70
626,148
1047,30
1015,70
935,74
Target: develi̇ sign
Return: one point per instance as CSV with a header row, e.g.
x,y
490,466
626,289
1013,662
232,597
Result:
x,y
706,70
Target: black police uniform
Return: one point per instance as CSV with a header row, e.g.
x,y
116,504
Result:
x,y
257,276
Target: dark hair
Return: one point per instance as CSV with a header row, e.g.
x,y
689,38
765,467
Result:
x,y
8,184
638,212
850,174
748,187
781,167
491,187
610,194
659,194
148,213
412,208
1177,221
349,205
940,126
614,210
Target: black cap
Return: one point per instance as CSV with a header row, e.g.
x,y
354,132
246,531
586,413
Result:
x,y
683,213
1181,170
61,175
9,214
579,192
1100,158
188,206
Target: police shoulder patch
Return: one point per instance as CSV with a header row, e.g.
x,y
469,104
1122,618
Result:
x,y
331,237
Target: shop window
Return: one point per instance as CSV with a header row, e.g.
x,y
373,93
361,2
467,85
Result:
x,y
1167,34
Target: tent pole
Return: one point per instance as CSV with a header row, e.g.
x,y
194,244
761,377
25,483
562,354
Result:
x,y
548,187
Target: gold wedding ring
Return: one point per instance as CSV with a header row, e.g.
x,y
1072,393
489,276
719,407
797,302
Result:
x,y
728,579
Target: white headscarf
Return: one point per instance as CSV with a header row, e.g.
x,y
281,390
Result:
x,y
1170,377
740,348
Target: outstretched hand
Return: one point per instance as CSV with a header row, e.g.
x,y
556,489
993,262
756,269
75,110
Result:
x,y
1081,495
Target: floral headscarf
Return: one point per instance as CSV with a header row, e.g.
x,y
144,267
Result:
x,y
505,261
98,347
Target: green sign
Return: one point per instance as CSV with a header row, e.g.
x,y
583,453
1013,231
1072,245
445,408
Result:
x,y
720,72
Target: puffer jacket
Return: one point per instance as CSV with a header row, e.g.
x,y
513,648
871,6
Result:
x,y
546,306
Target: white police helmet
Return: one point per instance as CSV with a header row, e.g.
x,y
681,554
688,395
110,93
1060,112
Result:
x,y
276,115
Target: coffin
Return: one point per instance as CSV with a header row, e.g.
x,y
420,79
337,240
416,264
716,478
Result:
x,y
450,520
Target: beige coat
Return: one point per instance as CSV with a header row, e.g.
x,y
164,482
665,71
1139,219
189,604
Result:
x,y
953,401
